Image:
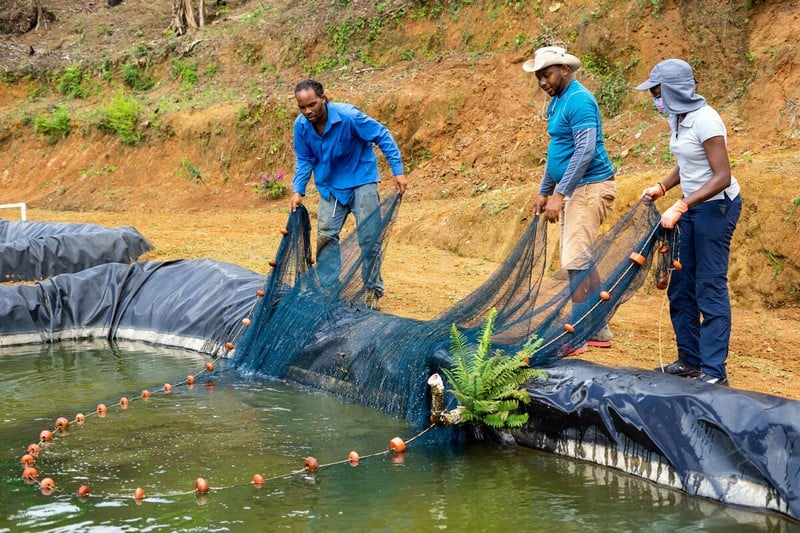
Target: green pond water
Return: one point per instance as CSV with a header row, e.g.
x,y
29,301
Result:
x,y
239,426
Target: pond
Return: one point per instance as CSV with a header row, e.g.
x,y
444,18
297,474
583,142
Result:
x,y
229,427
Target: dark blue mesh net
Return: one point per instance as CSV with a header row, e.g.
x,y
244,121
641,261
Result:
x,y
312,324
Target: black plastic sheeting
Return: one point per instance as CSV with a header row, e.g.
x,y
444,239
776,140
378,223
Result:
x,y
197,304
38,250
732,446
737,447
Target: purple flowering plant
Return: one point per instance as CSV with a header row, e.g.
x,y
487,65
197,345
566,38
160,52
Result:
x,y
271,185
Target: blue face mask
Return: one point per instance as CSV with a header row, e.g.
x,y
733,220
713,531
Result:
x,y
659,103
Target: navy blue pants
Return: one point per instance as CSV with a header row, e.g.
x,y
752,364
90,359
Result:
x,y
699,303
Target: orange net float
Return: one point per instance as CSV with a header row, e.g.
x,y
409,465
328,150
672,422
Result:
x,y
101,409
80,418
83,491
258,480
46,435
145,394
190,379
33,449
62,423
29,473
138,494
210,366
229,345
353,458
311,464
569,328
259,293
47,486
123,403
676,264
664,249
637,258
284,231
605,295
27,460
245,322
273,264
201,486
167,388
397,445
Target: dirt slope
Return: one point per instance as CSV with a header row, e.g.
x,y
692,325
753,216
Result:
x,y
450,87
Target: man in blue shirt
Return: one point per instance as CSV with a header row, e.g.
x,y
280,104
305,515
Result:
x,y
578,183
335,142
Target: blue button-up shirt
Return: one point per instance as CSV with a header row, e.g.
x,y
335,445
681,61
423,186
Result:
x,y
342,158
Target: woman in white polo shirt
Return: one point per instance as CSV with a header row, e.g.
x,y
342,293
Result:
x,y
706,216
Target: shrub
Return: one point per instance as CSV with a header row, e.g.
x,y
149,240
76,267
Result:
x,y
70,82
55,125
136,77
120,117
186,71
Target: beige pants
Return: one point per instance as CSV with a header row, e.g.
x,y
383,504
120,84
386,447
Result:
x,y
584,212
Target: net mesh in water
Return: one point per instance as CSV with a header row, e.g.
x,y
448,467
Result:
x,y
313,324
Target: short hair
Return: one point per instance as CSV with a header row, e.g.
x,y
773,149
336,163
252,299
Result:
x,y
310,84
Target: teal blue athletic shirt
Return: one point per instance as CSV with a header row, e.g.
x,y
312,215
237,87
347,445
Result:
x,y
576,155
342,158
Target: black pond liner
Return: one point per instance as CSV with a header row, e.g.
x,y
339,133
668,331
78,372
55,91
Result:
x,y
736,447
32,251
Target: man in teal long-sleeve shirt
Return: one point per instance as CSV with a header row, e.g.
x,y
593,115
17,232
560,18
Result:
x,y
334,141
578,187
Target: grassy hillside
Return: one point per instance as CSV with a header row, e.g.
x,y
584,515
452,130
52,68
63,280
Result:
x,y
110,108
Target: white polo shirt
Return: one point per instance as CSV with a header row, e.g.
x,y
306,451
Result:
x,y
686,143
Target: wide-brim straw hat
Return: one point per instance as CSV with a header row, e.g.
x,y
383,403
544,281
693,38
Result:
x,y
551,55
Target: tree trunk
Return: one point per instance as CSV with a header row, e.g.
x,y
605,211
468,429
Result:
x,y
183,17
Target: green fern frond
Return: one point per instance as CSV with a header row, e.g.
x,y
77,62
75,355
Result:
x,y
487,383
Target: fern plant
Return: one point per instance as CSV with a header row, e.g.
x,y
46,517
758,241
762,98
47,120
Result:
x,y
487,383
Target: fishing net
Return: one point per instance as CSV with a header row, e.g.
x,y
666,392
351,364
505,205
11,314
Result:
x,y
312,324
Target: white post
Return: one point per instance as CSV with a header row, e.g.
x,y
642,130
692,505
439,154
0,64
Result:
x,y
20,205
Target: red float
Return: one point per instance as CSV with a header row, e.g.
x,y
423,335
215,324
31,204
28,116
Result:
x,y
397,445
311,464
353,458
637,258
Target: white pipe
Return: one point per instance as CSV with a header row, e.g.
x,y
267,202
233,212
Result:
x,y
20,205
